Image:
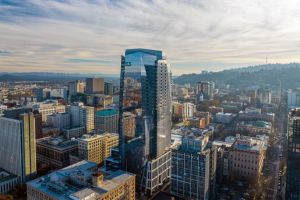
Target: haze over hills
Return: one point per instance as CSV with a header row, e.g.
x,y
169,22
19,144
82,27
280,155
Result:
x,y
261,75
268,75
49,76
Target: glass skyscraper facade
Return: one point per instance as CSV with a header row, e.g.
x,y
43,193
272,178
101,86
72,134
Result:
x,y
293,157
145,91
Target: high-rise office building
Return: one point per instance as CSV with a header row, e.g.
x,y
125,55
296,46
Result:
x,y
108,88
293,157
94,85
107,121
205,89
18,146
145,90
76,87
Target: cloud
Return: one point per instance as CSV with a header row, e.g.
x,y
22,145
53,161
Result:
x,y
77,35
82,60
5,53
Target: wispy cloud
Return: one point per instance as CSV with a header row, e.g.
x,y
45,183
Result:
x,y
90,35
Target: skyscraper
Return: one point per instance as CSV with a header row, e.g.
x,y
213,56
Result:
x,y
145,90
76,87
293,158
18,146
94,85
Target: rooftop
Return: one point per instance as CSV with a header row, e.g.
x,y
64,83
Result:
x,y
258,124
5,175
246,143
58,143
75,181
106,112
157,53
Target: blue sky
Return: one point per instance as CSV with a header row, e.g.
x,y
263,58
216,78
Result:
x,y
79,36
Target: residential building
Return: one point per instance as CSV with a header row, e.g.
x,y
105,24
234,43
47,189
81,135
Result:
x,y
17,141
83,181
145,90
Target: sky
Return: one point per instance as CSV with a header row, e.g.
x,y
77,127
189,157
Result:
x,y
89,36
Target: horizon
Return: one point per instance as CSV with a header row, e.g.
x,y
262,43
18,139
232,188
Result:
x,y
117,74
89,36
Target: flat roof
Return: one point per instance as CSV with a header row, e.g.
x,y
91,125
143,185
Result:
x,y
5,175
60,184
106,112
157,53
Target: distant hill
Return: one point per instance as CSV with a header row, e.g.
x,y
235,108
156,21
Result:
x,y
261,75
45,76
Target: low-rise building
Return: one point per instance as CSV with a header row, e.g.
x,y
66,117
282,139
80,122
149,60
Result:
x,y
54,151
251,116
7,181
224,118
85,182
74,132
247,156
254,127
